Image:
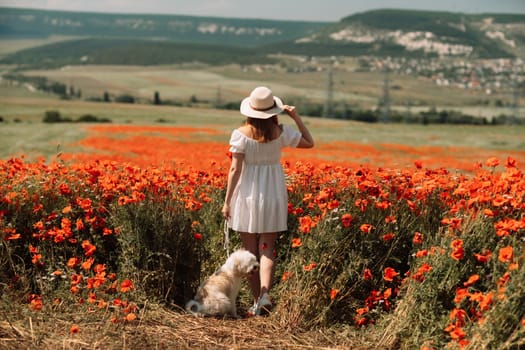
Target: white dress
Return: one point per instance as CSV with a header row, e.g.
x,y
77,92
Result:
x,y
260,200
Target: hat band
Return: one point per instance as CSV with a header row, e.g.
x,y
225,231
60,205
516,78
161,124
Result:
x,y
263,109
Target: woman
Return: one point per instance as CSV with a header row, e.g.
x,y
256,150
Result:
x,y
256,203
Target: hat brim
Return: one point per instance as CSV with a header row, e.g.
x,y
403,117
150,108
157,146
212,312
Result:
x,y
248,111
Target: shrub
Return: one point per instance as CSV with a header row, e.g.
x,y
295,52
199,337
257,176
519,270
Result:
x,y
89,118
158,249
420,256
124,99
55,117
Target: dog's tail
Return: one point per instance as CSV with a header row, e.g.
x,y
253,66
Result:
x,y
193,307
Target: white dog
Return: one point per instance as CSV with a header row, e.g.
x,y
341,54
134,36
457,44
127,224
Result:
x,y
218,294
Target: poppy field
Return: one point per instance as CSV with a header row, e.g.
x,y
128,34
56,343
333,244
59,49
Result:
x,y
407,246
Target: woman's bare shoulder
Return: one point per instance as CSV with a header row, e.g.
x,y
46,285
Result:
x,y
246,130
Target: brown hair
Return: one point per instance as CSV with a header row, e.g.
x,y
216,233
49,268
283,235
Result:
x,y
263,129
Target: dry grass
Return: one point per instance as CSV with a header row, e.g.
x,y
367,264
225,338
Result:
x,y
161,328
180,82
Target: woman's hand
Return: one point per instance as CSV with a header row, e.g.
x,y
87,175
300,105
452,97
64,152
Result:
x,y
226,211
291,111
306,138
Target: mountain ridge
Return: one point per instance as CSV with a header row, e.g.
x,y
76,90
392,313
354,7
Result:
x,y
383,32
17,22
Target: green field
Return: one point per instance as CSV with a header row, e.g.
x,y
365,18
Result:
x,y
228,84
23,132
9,46
183,81
298,79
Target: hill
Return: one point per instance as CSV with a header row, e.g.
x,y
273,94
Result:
x,y
127,51
164,39
29,23
422,33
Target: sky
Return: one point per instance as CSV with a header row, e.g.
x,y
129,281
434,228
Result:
x,y
296,10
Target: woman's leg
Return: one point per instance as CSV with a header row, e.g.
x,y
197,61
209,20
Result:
x,y
250,242
267,259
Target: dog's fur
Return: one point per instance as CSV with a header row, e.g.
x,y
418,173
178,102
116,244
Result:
x,y
218,294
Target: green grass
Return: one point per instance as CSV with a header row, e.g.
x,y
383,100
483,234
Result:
x,y
24,133
358,90
36,139
8,46
32,137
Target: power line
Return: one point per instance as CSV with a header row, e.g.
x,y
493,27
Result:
x,y
328,110
386,99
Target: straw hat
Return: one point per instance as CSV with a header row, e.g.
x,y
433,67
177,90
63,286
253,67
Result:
x,y
261,104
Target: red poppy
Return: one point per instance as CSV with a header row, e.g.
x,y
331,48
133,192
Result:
x,y
39,225
305,223
92,298
76,279
511,163
461,293
390,219
346,220
418,238
35,302
126,286
421,253
457,243
458,254
486,301
459,315
471,280
366,228
455,332
362,310
89,248
79,224
503,279
488,212
492,162
296,242
197,236
389,274
64,189
388,236
484,256
13,236
86,265
506,254
333,204
360,321
286,276
424,268
309,267
36,259
367,274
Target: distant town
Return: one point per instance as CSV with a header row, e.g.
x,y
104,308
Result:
x,y
489,75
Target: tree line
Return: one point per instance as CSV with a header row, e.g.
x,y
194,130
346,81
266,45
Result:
x,y
312,109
